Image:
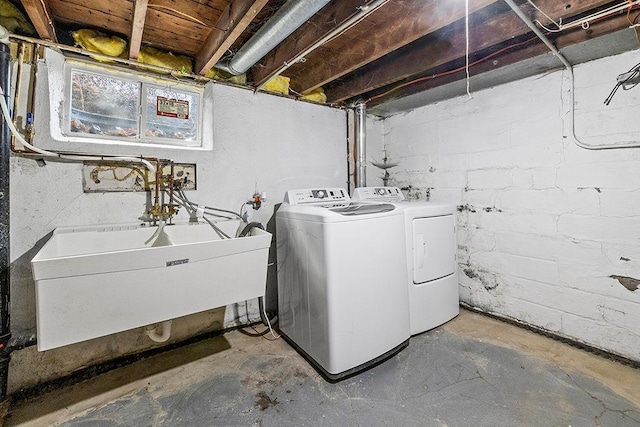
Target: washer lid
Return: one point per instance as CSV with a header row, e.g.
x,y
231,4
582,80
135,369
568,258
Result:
x,y
352,209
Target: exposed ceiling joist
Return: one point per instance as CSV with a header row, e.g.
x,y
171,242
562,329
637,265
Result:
x,y
394,25
234,21
331,16
397,42
137,27
509,57
447,44
38,11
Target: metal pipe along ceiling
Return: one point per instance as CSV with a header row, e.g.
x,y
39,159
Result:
x,y
285,21
572,88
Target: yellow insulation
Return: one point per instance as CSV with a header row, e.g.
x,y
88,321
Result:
x,y
151,56
278,84
316,95
13,20
213,73
96,41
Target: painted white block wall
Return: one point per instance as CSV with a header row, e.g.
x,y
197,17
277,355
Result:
x,y
259,141
543,224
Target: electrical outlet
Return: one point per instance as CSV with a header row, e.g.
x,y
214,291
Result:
x,y
116,177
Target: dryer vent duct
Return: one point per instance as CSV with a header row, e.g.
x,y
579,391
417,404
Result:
x,y
285,21
361,146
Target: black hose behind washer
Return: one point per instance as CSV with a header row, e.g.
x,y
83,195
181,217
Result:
x,y
247,228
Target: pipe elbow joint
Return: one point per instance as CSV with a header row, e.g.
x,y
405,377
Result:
x,y
163,336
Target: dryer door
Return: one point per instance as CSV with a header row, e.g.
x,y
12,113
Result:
x,y
433,248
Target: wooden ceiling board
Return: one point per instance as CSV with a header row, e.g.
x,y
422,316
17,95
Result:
x,y
509,57
208,11
137,27
170,42
486,29
320,25
400,41
235,20
39,12
410,22
120,9
176,25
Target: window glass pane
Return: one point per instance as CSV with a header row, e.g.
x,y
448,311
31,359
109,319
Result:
x,y
171,114
104,105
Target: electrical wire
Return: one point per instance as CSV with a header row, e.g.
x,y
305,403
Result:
x,y
586,21
445,73
264,312
557,24
632,74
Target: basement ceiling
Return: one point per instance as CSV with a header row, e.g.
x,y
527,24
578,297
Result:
x,y
393,58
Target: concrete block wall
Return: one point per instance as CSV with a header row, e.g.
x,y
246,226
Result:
x,y
258,141
548,233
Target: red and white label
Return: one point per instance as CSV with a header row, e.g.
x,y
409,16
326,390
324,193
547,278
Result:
x,y
175,108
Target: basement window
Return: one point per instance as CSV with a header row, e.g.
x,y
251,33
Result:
x,y
130,108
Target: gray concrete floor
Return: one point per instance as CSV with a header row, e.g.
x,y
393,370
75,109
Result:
x,y
473,371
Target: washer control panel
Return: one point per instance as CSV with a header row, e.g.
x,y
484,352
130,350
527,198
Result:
x,y
297,197
391,194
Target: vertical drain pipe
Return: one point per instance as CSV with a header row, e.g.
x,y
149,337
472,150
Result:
x,y
360,143
5,259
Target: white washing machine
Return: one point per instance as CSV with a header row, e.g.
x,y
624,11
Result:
x,y
432,268
342,294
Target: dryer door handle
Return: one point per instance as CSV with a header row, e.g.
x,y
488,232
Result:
x,y
420,250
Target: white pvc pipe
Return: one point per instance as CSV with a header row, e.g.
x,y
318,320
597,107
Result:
x,y
569,67
152,331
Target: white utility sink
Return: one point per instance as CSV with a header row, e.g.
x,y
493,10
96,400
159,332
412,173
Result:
x,y
95,281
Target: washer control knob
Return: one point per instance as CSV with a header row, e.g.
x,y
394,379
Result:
x,y
320,194
380,191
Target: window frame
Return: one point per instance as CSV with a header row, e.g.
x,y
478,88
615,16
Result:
x,y
143,81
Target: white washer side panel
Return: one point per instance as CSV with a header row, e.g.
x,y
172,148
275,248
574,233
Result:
x,y
301,282
433,248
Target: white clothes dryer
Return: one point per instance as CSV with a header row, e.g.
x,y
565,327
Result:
x,y
342,294
432,268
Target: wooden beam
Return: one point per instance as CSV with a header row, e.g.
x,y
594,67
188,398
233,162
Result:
x,y
321,24
206,11
234,20
563,40
392,26
39,13
137,27
448,44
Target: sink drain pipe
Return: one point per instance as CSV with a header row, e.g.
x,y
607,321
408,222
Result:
x,y
163,335
5,258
